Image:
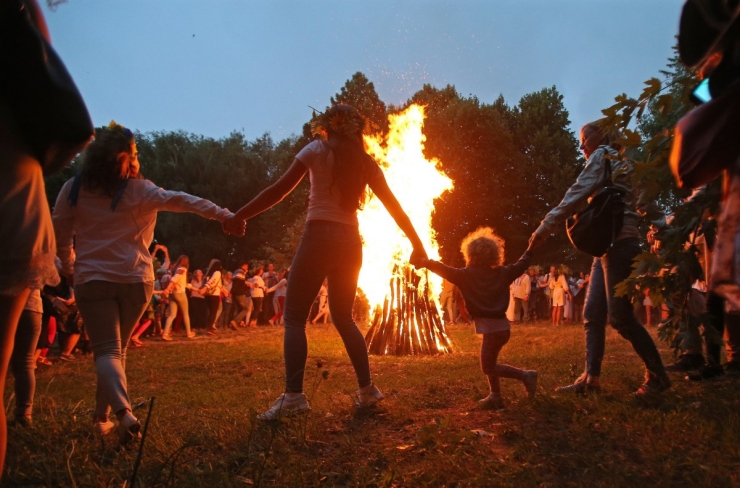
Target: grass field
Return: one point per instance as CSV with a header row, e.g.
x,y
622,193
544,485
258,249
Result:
x,y
429,432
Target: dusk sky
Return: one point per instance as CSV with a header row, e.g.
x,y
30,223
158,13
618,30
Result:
x,y
213,67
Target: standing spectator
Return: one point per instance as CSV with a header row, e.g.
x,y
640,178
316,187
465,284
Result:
x,y
280,288
579,296
268,304
110,217
558,290
178,301
258,295
241,296
198,308
520,290
226,301
447,300
535,295
211,291
322,297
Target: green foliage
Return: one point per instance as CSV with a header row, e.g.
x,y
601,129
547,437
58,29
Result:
x,y
360,93
509,166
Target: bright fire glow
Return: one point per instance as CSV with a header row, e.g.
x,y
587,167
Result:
x,y
416,182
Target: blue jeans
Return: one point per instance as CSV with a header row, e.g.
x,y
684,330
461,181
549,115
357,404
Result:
x,y
327,250
110,312
606,272
21,362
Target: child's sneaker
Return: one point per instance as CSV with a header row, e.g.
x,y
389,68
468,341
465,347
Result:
x,y
529,378
492,402
285,405
368,396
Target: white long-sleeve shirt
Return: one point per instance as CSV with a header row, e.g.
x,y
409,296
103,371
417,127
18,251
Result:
x,y
521,286
113,245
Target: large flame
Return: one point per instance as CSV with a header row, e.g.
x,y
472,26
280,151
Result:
x,y
416,182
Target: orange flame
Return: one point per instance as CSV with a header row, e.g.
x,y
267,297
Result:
x,y
416,182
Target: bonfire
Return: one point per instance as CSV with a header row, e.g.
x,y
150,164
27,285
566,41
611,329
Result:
x,y
406,317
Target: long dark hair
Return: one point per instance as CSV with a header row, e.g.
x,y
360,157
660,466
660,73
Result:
x,y
214,266
352,165
102,169
182,262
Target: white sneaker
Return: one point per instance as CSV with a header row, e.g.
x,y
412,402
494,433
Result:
x,y
103,428
530,382
368,396
285,405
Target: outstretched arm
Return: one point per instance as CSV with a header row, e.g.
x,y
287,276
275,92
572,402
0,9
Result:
x,y
380,187
270,196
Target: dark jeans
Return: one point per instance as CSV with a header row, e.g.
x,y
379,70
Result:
x,y
21,362
212,301
327,250
606,272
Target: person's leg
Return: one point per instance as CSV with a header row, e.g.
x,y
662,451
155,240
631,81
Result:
x,y
241,303
212,302
110,311
167,333
306,275
69,345
342,281
10,312
22,364
594,316
617,264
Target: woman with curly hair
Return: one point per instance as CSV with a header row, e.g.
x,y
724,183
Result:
x,y
484,284
340,170
109,212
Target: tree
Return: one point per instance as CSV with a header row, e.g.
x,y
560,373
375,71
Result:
x,y
360,93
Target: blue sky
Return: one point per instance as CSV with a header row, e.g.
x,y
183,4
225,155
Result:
x,y
214,66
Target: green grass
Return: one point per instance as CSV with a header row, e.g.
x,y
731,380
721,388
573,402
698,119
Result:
x,y
202,430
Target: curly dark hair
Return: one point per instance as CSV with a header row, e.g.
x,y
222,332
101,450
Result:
x,y
482,248
102,168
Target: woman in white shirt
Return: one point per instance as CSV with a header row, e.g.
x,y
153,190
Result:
x,y
280,288
178,299
211,290
109,214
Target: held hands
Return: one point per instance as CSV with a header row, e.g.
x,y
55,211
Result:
x,y
536,241
419,258
234,226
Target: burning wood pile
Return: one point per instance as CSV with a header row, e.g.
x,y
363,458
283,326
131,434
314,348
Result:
x,y
409,322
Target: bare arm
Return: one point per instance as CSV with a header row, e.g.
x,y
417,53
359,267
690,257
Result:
x,y
273,194
380,187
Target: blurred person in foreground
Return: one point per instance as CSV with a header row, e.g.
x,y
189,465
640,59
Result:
x,y
706,145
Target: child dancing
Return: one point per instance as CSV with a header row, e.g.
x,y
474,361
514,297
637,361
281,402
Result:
x,y
484,284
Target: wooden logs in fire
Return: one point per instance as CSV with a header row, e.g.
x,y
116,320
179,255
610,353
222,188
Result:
x,y
409,323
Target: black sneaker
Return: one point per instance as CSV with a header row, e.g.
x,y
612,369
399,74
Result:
x,y
686,362
732,368
706,373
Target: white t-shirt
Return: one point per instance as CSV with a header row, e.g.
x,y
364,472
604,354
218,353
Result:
x,y
324,201
258,290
